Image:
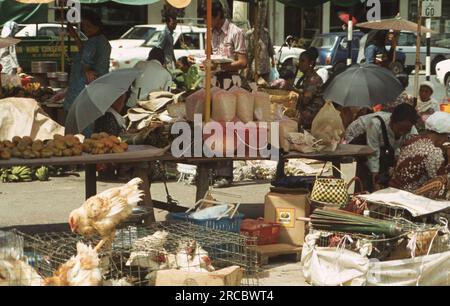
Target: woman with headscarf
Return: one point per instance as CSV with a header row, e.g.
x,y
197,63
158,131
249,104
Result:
x,y
92,60
8,56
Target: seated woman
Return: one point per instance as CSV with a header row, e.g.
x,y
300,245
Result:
x,y
112,122
421,159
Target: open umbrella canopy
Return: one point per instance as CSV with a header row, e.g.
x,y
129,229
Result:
x,y
396,24
364,85
8,41
35,1
97,98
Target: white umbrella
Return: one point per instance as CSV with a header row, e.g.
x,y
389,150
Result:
x,y
97,98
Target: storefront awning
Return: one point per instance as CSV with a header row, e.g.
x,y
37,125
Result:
x,y
314,3
22,13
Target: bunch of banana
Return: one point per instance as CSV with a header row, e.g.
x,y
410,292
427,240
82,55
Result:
x,y
42,173
16,174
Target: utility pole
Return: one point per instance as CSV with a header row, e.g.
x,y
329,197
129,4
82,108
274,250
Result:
x,y
418,43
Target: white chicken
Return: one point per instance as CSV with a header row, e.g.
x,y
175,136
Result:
x,y
148,252
80,270
101,214
15,272
192,257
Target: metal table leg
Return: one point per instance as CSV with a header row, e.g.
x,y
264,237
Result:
x,y
90,180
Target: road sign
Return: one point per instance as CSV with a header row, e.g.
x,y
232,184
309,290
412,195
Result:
x,y
432,8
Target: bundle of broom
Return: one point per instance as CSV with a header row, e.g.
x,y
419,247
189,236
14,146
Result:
x,y
333,220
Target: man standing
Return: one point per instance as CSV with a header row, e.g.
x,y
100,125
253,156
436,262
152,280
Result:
x,y
228,41
165,41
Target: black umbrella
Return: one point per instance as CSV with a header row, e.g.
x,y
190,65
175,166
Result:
x,y
364,85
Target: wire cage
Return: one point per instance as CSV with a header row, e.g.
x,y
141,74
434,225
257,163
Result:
x,y
138,252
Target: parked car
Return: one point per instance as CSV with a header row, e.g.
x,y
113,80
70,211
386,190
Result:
x,y
136,36
188,40
407,45
443,73
333,51
41,42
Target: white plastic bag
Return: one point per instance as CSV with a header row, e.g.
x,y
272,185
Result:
x,y
439,122
245,102
263,110
224,104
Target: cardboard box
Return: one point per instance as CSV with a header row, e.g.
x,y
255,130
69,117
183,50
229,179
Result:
x,y
285,208
231,276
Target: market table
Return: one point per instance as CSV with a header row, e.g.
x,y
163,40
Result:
x,y
139,154
344,151
135,154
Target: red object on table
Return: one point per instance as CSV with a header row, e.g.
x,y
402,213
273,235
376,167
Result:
x,y
266,232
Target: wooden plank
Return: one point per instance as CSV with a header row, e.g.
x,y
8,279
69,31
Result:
x,y
202,180
231,276
277,249
90,181
134,154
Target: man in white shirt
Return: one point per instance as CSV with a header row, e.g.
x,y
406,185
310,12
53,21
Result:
x,y
399,127
155,77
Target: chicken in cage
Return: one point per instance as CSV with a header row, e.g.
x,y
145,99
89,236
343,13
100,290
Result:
x,y
136,255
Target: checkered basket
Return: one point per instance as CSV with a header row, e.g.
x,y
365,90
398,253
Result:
x,y
330,191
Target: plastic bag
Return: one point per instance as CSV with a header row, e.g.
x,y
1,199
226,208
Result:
x,y
439,122
274,74
263,110
328,127
245,101
224,104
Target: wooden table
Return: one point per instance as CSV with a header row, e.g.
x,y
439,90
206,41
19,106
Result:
x,y
135,154
139,154
343,151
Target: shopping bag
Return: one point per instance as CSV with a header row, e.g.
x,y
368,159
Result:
x,y
330,191
328,127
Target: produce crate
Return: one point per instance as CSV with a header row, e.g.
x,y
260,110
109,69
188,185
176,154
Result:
x,y
265,232
225,224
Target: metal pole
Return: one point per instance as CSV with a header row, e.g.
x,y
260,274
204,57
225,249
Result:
x,y
350,38
418,42
428,60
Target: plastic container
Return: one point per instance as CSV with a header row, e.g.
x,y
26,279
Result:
x,y
225,224
266,232
445,108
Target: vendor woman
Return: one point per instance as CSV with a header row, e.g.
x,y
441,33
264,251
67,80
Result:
x,y
93,59
309,102
368,130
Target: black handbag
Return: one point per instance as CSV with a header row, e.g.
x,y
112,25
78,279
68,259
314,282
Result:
x,y
387,156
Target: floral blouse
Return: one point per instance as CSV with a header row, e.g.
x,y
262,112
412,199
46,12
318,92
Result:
x,y
310,102
419,161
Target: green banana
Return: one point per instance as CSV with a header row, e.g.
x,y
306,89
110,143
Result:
x,y
42,173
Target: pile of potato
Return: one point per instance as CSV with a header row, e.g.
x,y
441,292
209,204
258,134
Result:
x,y
102,143
69,145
